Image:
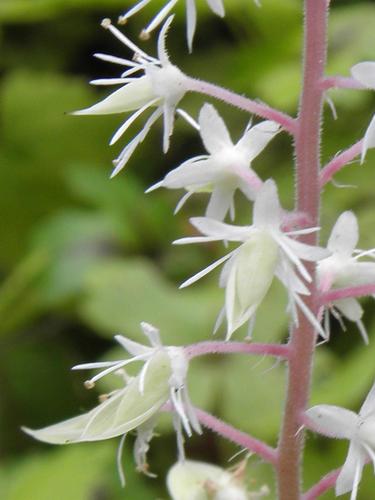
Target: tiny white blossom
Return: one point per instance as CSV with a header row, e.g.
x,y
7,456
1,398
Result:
x,y
265,251
343,269
359,429
162,86
364,72
192,480
216,6
162,378
227,166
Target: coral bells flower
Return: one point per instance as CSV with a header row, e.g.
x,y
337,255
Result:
x,y
364,72
162,378
191,15
226,168
342,269
199,480
265,251
336,422
162,86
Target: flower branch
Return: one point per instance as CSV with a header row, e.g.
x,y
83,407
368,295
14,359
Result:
x,y
340,161
341,82
287,122
344,293
203,348
267,453
326,483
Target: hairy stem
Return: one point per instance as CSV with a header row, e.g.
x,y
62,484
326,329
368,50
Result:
x,y
345,293
241,438
303,338
326,483
340,161
288,123
203,348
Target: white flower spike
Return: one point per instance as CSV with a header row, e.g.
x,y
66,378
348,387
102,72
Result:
x,y
191,480
162,378
364,72
162,86
216,6
265,251
343,269
227,166
359,429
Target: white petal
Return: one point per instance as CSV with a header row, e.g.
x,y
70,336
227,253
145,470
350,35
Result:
x,y
214,132
191,174
130,121
306,252
369,139
368,406
206,270
162,50
220,230
333,421
220,201
267,210
130,97
126,153
191,22
134,10
364,72
350,308
217,7
351,472
168,119
256,139
344,235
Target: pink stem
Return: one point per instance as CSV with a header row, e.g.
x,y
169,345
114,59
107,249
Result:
x,y
302,341
239,101
345,293
250,443
291,220
203,348
326,483
339,162
340,82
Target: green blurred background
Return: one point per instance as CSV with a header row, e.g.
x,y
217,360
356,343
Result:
x,y
84,257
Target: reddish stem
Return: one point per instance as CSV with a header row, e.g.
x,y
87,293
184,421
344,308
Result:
x,y
250,443
302,342
203,348
345,293
341,82
339,162
239,101
326,483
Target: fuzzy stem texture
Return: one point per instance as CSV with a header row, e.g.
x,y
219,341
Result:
x,y
339,162
257,108
204,348
326,483
303,337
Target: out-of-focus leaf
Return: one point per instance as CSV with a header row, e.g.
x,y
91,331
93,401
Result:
x,y
121,294
78,472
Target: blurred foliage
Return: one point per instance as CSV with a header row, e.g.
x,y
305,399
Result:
x,y
84,257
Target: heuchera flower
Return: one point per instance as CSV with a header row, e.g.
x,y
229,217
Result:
x,y
216,6
162,86
265,251
226,168
364,72
336,422
162,378
343,269
191,480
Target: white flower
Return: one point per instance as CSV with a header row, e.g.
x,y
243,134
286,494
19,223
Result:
x,y
162,86
364,72
193,480
265,251
336,422
216,6
227,166
162,378
341,269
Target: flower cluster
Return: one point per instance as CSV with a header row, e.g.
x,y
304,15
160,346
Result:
x,y
134,407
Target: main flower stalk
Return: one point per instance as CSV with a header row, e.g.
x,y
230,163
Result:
x,y
303,338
